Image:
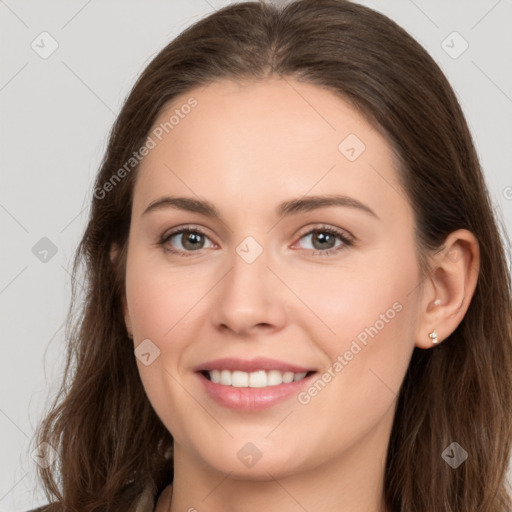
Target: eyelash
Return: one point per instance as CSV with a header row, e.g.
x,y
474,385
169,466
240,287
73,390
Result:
x,y
347,240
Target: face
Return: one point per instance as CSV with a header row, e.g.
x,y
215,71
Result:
x,y
271,279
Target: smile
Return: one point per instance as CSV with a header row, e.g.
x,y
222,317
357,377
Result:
x,y
252,385
257,379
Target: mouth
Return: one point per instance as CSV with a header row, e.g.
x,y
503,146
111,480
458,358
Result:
x,y
252,385
256,379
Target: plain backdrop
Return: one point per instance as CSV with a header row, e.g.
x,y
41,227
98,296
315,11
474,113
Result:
x,y
56,111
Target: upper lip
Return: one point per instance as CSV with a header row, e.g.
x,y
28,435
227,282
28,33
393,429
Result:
x,y
252,365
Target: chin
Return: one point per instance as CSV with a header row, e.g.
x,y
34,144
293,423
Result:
x,y
258,461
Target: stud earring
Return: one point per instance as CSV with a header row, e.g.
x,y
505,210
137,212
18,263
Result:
x,y
433,336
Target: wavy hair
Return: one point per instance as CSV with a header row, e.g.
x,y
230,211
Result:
x,y
109,440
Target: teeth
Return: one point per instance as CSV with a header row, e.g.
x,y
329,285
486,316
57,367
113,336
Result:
x,y
274,378
239,379
288,377
225,378
258,379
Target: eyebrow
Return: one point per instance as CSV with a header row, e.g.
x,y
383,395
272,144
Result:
x,y
284,209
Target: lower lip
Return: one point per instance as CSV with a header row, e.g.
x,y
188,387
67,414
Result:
x,y
252,399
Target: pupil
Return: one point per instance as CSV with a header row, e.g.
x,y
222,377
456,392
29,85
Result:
x,y
323,238
194,239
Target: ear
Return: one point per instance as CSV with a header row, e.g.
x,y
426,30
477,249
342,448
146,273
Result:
x,y
449,288
114,254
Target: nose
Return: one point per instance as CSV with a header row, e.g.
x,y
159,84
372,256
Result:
x,y
249,299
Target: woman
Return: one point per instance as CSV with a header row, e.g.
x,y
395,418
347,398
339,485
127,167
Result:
x,y
298,297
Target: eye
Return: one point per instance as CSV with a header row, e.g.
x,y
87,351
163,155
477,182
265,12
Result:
x,y
323,240
185,240
326,240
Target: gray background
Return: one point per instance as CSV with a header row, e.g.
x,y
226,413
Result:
x,y
56,113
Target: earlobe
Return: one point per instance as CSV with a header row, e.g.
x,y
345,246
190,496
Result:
x,y
448,289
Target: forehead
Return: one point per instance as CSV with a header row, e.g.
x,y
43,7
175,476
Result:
x,y
299,112
273,137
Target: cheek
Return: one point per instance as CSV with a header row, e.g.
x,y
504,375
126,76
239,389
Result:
x,y
363,319
159,296
366,358
360,301
160,303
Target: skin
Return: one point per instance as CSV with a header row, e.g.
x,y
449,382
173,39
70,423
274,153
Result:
x,y
246,148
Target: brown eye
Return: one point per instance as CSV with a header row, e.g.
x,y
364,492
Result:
x,y
186,240
323,240
326,239
191,240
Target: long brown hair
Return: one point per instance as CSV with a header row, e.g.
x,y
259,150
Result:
x,y
109,440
